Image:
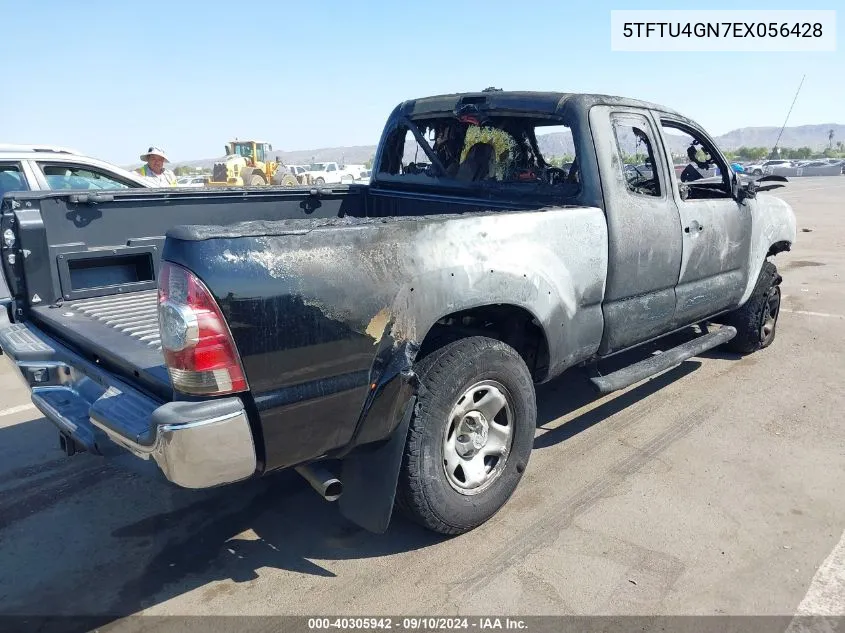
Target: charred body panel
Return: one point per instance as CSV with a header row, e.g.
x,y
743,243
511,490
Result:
x,y
319,314
773,230
644,234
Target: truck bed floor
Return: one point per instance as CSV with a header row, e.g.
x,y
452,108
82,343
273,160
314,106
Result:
x,y
120,332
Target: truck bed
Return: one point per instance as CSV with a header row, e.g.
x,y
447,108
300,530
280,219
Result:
x,y
90,272
118,332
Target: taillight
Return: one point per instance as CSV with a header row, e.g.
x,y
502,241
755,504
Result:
x,y
198,348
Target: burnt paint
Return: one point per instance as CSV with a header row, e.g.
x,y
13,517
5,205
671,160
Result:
x,y
321,310
644,239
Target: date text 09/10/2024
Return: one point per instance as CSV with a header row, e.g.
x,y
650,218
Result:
x,y
417,623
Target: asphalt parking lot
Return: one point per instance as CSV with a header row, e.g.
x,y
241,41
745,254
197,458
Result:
x,y
715,488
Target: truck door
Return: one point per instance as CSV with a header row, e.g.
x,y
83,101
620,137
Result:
x,y
644,228
716,228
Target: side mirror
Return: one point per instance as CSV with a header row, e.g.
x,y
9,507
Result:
x,y
746,191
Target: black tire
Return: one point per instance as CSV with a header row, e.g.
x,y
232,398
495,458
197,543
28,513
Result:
x,y
256,179
424,493
320,181
756,320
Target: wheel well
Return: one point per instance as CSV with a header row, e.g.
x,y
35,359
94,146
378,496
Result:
x,y
778,247
507,323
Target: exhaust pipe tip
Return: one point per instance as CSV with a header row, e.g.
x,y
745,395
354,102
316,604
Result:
x,y
67,445
327,485
333,490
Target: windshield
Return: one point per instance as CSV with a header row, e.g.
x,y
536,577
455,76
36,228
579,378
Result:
x,y
245,150
317,167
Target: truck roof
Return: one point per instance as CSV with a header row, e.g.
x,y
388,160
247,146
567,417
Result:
x,y
519,101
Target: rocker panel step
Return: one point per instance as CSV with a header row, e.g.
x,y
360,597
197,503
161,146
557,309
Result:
x,y
653,365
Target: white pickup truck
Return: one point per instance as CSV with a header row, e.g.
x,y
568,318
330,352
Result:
x,y
332,173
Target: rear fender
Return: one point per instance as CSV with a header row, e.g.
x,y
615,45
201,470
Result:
x,y
370,471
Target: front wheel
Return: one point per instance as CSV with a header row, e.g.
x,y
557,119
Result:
x,y
756,321
320,181
471,435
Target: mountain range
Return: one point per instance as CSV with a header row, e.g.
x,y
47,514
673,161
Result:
x,y
560,143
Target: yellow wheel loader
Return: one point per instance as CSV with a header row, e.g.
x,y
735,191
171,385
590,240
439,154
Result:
x,y
246,165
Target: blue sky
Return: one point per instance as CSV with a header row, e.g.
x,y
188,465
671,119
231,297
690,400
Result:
x,y
111,77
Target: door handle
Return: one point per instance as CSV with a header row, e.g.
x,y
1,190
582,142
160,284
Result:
x,y
694,227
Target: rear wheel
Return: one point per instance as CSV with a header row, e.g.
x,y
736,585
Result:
x,y
256,180
320,181
471,435
756,320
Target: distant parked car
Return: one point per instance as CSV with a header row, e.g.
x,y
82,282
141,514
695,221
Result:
x,y
352,173
297,170
758,169
638,172
192,181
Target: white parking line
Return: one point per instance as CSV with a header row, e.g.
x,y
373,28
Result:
x,y
797,191
18,409
826,595
826,315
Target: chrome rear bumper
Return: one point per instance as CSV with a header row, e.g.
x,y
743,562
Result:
x,y
198,444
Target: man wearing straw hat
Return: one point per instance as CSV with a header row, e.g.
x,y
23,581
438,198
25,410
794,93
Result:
x,y
154,169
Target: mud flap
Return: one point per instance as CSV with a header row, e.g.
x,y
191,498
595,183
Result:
x,y
370,476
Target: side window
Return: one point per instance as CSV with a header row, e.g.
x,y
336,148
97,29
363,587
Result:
x,y
11,179
403,155
635,145
413,154
698,168
75,177
330,168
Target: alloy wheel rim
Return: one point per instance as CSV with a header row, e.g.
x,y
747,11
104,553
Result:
x,y
478,437
769,318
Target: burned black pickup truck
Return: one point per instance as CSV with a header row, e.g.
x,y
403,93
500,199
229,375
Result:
x,y
394,332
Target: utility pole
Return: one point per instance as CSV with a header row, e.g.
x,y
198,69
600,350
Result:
x,y
775,149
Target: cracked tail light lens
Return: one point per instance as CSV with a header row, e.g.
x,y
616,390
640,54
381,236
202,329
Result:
x,y
199,352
